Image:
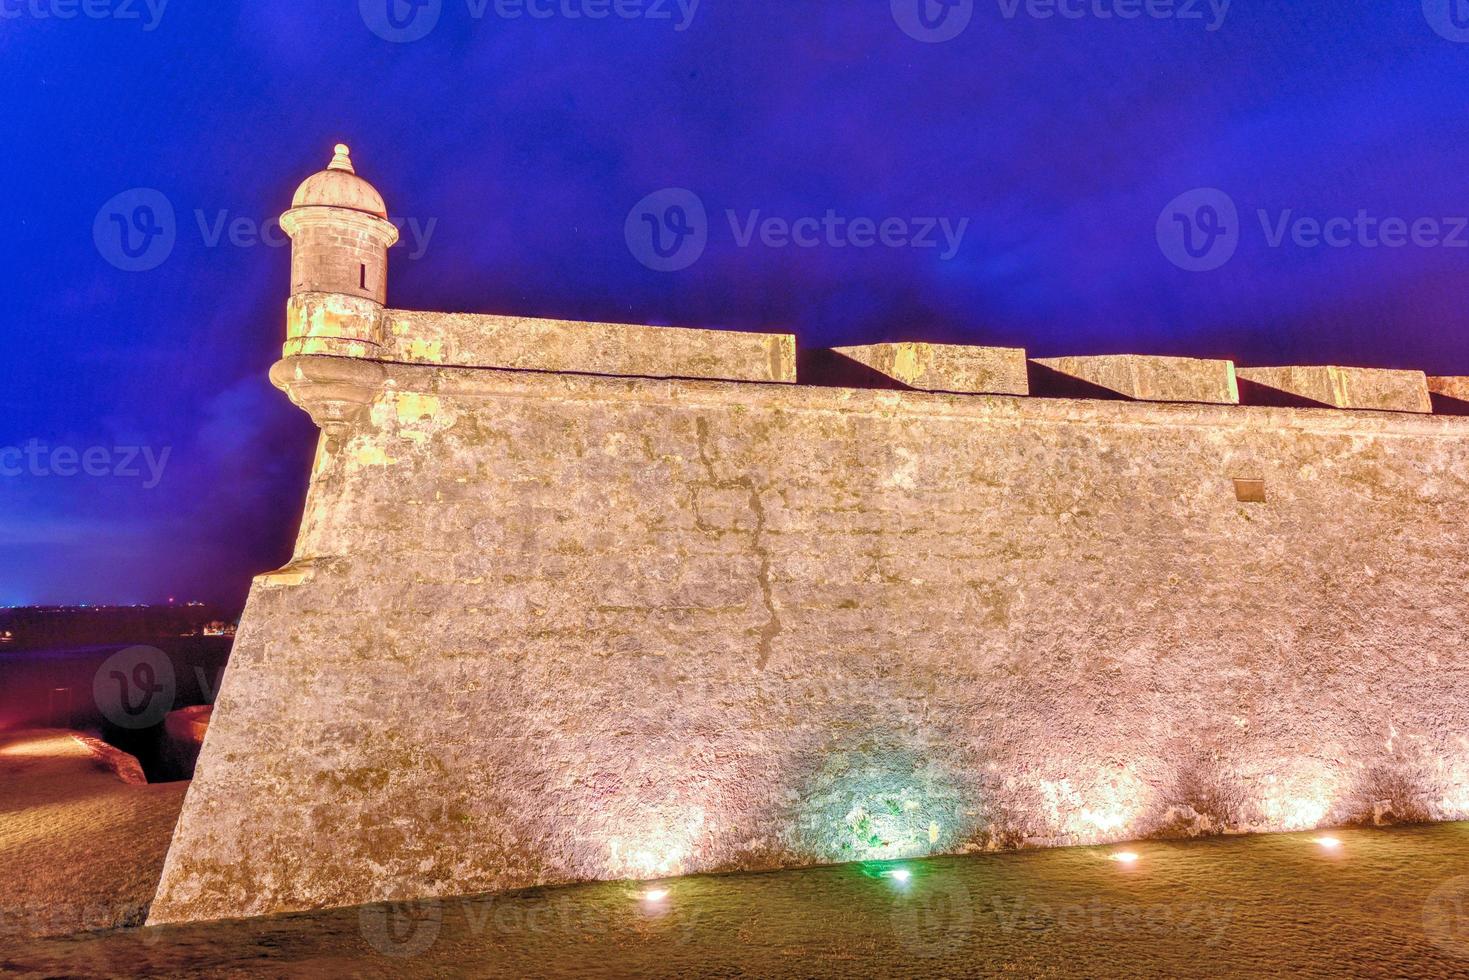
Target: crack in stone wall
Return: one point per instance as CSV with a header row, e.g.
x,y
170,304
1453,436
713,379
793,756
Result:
x,y
771,628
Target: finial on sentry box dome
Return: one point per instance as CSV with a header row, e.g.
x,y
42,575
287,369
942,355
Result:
x,y
342,160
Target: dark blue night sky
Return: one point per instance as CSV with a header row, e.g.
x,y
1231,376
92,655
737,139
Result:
x,y
523,143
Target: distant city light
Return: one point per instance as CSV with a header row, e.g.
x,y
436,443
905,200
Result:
x,y
1124,857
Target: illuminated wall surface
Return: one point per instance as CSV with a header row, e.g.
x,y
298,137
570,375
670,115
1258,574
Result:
x,y
569,627
545,626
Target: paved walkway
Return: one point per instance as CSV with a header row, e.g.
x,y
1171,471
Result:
x,y
80,848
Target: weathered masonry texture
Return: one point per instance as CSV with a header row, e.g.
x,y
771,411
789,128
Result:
x,y
554,624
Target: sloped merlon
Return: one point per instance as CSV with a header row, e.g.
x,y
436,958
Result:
x,y
566,346
1152,379
1355,389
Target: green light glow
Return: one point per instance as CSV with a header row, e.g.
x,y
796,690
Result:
x,y
888,825
872,799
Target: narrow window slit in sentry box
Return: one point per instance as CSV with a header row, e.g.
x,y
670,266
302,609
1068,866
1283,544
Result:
x,y
362,276
1249,491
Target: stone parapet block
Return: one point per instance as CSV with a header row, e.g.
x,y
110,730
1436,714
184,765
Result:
x,y
946,367
1450,396
1141,378
571,347
1360,389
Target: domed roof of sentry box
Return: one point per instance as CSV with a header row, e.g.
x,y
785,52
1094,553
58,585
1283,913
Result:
x,y
338,186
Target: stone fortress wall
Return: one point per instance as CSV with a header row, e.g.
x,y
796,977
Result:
x,y
589,601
